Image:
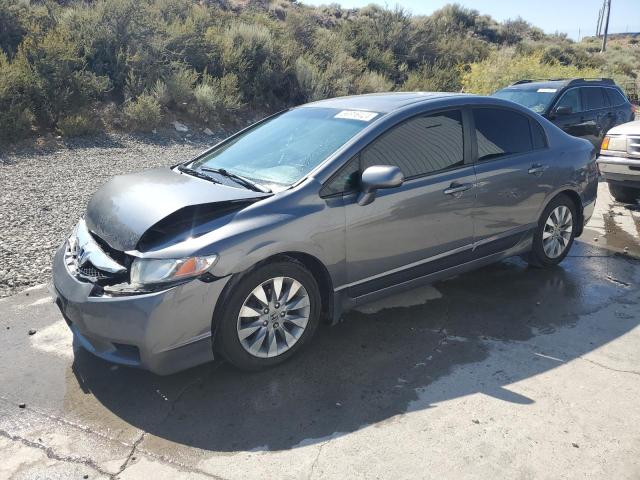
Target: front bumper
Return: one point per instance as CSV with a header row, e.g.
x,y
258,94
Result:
x,y
587,212
164,332
622,170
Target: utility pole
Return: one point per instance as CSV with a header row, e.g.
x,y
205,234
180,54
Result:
x,y
599,24
607,6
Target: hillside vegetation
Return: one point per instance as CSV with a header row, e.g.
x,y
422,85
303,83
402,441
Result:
x,y
81,66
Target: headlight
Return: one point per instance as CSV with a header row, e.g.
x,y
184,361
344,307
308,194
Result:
x,y
146,271
616,143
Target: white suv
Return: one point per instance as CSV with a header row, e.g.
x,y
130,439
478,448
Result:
x,y
619,161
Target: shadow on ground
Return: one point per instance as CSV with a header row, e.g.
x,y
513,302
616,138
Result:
x,y
369,368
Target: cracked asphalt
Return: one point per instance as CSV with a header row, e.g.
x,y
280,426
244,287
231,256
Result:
x,y
505,372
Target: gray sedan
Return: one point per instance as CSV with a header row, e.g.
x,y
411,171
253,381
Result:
x,y
244,250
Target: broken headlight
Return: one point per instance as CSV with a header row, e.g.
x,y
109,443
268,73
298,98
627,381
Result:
x,y
152,271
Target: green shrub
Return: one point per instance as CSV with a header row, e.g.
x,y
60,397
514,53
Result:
x,y
249,52
143,113
61,81
432,78
16,84
132,61
372,82
503,68
161,93
215,95
15,124
206,100
180,86
78,124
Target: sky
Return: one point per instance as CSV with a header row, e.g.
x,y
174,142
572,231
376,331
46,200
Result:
x,y
577,18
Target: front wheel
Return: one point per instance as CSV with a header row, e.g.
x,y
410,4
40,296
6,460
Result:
x,y
554,235
270,313
624,194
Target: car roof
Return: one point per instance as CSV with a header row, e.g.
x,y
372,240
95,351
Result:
x,y
560,83
380,102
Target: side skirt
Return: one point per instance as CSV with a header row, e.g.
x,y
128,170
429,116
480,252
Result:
x,y
433,271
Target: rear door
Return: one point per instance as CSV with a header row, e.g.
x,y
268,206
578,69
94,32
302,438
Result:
x,y
512,175
620,107
597,116
393,239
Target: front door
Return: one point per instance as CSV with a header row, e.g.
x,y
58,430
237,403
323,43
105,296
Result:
x,y
429,217
574,123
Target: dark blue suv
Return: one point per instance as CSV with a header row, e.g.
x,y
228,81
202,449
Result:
x,y
582,107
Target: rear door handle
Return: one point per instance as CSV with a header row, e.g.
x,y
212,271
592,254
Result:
x,y
537,169
457,188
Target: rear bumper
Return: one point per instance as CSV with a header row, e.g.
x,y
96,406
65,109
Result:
x,y
622,170
164,332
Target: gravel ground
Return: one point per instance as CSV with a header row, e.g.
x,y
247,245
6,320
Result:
x,y
43,191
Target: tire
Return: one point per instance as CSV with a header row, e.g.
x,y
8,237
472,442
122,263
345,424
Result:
x,y
552,232
256,351
624,194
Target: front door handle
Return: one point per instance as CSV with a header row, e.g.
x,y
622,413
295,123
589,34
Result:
x,y
537,169
455,188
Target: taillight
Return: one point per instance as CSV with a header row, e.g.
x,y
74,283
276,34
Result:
x,y
634,108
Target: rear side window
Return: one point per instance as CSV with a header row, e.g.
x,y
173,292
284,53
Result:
x,y
615,97
501,132
594,98
421,145
538,135
571,98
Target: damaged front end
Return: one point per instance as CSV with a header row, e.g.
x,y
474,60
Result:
x,y
133,216
86,258
91,259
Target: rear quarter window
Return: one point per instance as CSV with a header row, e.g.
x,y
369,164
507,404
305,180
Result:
x,y
537,135
615,97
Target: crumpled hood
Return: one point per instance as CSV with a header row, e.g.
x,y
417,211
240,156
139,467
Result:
x,y
128,205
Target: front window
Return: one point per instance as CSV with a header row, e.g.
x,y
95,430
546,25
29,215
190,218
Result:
x,y
282,150
536,98
571,99
421,145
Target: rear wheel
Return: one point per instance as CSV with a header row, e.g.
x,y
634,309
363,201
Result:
x,y
270,313
554,235
624,194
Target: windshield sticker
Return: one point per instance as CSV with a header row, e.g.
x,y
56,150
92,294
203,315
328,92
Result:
x,y
547,90
356,115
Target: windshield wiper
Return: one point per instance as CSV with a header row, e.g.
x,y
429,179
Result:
x,y
196,173
238,179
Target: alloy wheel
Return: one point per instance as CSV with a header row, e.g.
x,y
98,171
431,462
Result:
x,y
557,231
273,317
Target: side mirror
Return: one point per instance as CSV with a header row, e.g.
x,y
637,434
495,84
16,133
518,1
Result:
x,y
375,177
564,110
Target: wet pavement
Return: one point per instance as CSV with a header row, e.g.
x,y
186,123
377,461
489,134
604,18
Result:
x,y
506,371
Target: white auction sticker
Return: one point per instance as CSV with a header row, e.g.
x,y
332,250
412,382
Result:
x,y
356,115
547,90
